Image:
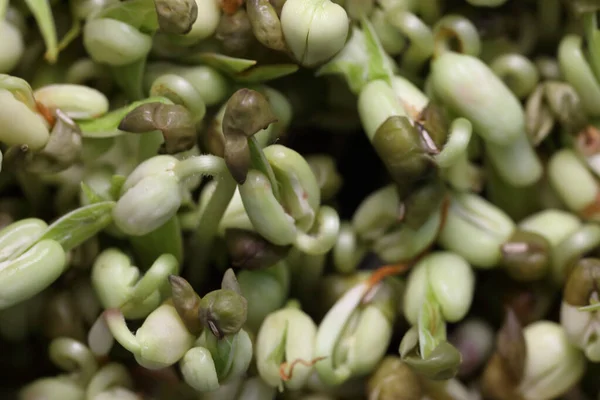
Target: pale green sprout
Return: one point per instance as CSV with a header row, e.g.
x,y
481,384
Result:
x,y
451,281
112,42
212,85
376,103
76,101
314,30
33,254
286,336
213,362
354,334
161,341
574,183
439,289
552,364
118,283
577,71
300,194
553,224
21,125
470,88
475,229
152,193
517,162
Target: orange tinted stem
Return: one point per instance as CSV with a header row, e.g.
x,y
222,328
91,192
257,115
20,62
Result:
x,y
46,113
286,377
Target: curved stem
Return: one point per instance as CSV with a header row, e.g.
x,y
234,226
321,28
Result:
x,y
419,34
120,331
110,375
180,91
518,72
72,355
578,73
457,145
328,222
208,165
210,218
460,29
154,278
574,247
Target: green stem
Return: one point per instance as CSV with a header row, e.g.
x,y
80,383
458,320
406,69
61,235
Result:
x,y
208,226
164,240
260,162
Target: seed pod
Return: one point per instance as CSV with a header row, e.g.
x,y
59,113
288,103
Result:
x,y
526,256
223,311
187,303
174,121
441,364
398,144
204,25
176,16
581,290
265,24
246,113
235,33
